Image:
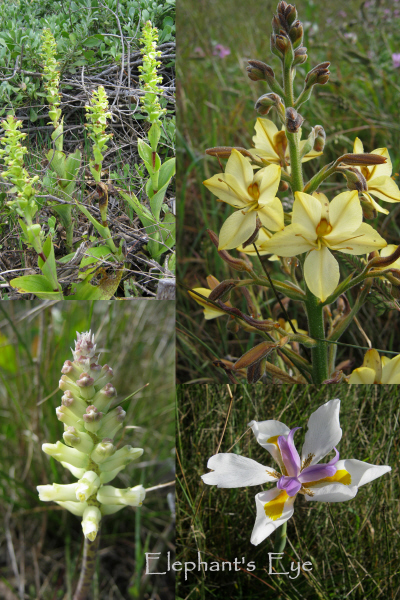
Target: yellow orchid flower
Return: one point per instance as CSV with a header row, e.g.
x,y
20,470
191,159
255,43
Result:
x,y
210,311
271,145
376,369
286,326
252,193
387,252
378,177
320,226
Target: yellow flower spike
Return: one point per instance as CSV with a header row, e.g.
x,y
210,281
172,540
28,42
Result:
x,y
268,145
378,177
252,193
318,227
377,370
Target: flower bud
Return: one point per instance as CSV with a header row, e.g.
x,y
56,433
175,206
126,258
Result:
x,y
128,497
87,486
300,56
103,451
55,492
76,508
320,137
318,75
123,456
78,439
222,291
66,416
75,404
290,14
92,419
91,522
66,454
267,101
112,422
369,211
86,386
66,384
296,34
105,375
84,346
71,369
293,120
355,179
104,397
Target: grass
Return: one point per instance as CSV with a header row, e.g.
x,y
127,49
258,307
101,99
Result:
x,y
216,107
41,544
353,546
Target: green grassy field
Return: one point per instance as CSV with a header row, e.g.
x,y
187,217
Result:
x,y
354,546
40,543
216,108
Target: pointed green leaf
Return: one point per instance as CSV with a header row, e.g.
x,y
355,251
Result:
x,y
167,171
36,284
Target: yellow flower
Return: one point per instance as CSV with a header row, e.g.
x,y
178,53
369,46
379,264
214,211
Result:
x,y
319,226
377,370
286,326
378,177
252,193
210,311
271,145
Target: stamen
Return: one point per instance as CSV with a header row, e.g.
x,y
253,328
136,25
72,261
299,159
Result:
x,y
307,461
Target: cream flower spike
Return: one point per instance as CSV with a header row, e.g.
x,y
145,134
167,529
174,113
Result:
x,y
334,481
89,453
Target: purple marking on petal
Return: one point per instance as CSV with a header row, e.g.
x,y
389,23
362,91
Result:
x,y
290,456
316,472
290,484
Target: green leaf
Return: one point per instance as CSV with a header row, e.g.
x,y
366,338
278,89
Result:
x,y
103,231
57,162
154,135
142,212
33,116
167,171
145,152
64,212
104,291
92,41
48,268
36,284
72,165
92,258
157,200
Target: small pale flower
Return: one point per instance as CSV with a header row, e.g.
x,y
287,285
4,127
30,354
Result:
x,y
271,145
334,481
253,194
376,369
318,227
378,178
396,60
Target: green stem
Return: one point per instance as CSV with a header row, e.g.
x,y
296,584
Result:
x,y
280,538
295,161
316,330
87,569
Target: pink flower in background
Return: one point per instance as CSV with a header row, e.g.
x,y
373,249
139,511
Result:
x,y
221,51
396,60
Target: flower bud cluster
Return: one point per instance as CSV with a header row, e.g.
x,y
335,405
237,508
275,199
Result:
x,y
97,114
89,451
287,36
51,76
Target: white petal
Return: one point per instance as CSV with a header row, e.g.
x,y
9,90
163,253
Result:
x,y
362,472
323,432
232,471
334,492
264,526
267,430
76,508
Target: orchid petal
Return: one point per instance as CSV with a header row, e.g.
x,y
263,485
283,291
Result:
x,y
321,471
233,470
384,188
391,370
321,272
210,311
290,456
238,228
264,138
377,206
323,433
289,242
362,472
345,213
280,507
335,492
270,178
362,375
381,170
358,147
228,189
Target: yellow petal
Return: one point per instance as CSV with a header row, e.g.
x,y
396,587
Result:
x,y
210,311
324,201
321,272
384,188
362,376
269,183
391,370
345,214
264,138
288,242
240,168
381,170
358,146
264,156
271,215
228,189
363,240
238,228
388,251
372,360
307,213
377,206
